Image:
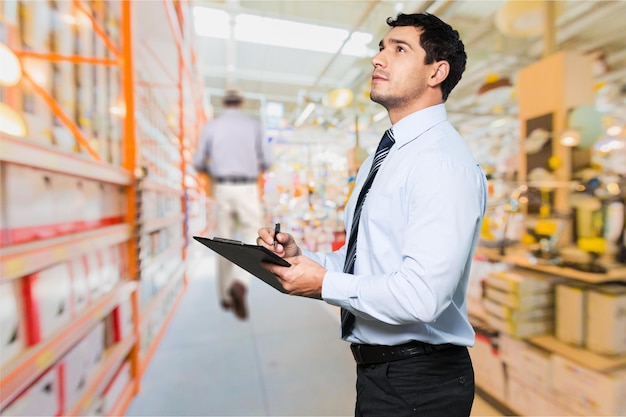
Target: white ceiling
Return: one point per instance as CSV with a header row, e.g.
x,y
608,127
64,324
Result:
x,y
294,77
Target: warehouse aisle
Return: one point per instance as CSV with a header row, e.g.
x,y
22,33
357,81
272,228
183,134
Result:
x,y
286,360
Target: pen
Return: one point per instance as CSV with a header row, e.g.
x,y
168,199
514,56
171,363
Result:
x,y
276,232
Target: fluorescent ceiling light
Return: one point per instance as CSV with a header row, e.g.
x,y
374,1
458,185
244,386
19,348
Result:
x,y
215,23
305,114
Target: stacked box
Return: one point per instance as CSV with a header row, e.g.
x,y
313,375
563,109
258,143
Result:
x,y
588,392
571,306
112,393
606,319
76,368
12,334
491,376
64,86
43,398
520,304
47,299
35,21
80,286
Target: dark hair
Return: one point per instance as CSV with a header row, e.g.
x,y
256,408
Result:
x,y
441,43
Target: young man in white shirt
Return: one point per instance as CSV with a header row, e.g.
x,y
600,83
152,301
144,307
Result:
x,y
403,300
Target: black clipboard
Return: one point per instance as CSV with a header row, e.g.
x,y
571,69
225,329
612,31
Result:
x,y
248,257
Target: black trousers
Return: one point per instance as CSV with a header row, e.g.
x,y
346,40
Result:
x,y
440,384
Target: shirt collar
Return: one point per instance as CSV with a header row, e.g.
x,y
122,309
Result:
x,y
412,126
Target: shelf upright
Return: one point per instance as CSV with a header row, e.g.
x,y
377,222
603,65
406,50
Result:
x,y
23,260
128,163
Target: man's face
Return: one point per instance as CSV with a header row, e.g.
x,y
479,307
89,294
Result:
x,y
400,76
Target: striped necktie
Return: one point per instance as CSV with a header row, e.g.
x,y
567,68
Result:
x,y
347,318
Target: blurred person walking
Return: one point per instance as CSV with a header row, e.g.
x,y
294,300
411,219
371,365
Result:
x,y
234,152
413,221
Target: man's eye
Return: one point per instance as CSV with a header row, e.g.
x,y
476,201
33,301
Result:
x,y
400,49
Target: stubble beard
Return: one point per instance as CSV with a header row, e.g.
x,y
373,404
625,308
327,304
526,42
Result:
x,y
388,101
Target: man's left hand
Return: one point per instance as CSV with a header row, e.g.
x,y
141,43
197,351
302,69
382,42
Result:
x,y
303,278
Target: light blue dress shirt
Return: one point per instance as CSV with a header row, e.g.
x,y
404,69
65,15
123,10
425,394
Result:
x,y
234,145
418,229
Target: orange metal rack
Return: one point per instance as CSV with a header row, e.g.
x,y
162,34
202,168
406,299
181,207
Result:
x,y
22,259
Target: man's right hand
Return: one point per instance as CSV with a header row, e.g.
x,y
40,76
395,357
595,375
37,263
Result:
x,y
286,247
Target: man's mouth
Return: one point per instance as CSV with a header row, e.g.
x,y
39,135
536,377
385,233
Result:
x,y
378,77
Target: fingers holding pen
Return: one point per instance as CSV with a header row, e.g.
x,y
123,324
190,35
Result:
x,y
285,244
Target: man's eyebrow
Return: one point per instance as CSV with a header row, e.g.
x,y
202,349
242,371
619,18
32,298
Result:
x,y
394,41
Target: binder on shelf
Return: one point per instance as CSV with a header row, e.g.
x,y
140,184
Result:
x,y
248,257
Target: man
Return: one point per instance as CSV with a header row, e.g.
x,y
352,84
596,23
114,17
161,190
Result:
x,y
233,150
401,279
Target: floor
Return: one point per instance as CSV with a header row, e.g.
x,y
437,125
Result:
x,y
286,360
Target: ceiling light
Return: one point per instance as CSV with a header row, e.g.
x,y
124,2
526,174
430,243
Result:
x,y
11,69
339,98
212,23
280,32
570,138
614,130
305,114
379,116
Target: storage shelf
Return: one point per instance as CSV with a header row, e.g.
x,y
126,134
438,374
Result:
x,y
122,403
149,308
150,262
112,360
581,356
521,259
24,259
152,185
145,360
22,152
160,223
27,367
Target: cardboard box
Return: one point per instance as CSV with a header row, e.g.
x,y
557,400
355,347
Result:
x,y
513,314
42,398
521,329
530,400
80,286
12,332
489,371
571,305
526,362
521,282
28,199
37,115
76,366
47,298
94,275
589,392
520,301
96,342
113,204
68,201
606,319
114,390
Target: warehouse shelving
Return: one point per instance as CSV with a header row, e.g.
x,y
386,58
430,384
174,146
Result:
x,y
32,362
99,157
496,353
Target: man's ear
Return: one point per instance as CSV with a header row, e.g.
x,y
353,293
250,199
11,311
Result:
x,y
440,73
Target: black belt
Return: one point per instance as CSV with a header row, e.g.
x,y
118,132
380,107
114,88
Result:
x,y
235,180
371,354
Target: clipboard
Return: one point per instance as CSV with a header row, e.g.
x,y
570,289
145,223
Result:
x,y
248,257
